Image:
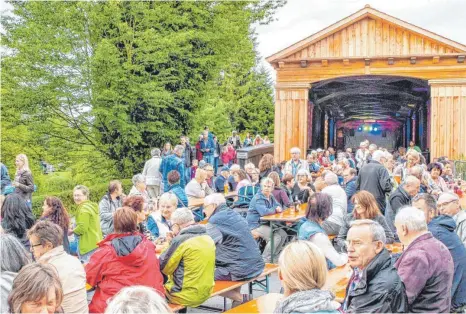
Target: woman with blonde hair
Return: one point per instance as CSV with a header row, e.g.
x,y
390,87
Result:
x,y
303,272
23,183
365,207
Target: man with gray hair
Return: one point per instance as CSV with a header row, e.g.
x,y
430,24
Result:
x,y
374,178
46,239
189,261
442,228
426,266
374,286
153,175
333,223
295,163
173,162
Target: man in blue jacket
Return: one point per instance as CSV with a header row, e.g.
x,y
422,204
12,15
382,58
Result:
x,y
442,228
207,148
237,256
173,162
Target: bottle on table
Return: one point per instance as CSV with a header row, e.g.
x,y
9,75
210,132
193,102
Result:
x,y
225,188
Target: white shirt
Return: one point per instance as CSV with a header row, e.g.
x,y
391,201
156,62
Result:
x,y
339,202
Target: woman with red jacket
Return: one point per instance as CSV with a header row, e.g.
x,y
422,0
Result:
x,y
124,258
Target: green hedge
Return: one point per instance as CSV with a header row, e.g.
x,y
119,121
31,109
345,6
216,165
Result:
x,y
66,196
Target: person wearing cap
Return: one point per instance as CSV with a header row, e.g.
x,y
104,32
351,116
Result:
x,y
219,184
361,155
295,164
190,282
449,204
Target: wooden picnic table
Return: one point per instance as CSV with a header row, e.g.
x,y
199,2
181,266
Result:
x,y
288,215
263,304
281,221
198,202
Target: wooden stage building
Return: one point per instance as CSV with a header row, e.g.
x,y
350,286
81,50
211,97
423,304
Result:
x,y
371,75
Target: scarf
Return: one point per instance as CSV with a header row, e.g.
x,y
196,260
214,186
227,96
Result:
x,y
307,302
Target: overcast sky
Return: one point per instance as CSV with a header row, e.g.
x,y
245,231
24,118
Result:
x,y
299,19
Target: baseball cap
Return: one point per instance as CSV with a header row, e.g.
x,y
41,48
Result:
x,y
447,197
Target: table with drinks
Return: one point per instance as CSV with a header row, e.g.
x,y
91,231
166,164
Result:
x,y
198,202
286,220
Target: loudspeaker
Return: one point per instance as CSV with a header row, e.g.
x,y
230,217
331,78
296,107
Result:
x,y
384,133
351,132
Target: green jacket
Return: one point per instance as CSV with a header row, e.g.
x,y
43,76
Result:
x,y
88,226
189,263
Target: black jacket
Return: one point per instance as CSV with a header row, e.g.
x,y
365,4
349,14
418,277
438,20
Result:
x,y
187,156
398,199
380,289
374,178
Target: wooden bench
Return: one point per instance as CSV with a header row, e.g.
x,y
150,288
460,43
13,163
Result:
x,y
225,286
175,307
263,304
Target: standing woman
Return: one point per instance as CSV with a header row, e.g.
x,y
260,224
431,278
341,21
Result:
x,y
23,183
17,218
167,150
87,223
54,211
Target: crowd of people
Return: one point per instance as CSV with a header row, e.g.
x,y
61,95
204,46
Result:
x,y
137,252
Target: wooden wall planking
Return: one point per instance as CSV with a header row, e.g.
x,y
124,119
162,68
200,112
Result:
x,y
372,37
448,120
291,121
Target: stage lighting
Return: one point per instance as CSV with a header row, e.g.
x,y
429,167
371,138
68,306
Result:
x,y
360,129
366,128
371,129
375,129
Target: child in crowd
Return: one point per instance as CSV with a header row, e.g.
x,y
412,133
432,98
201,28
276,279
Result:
x,y
194,168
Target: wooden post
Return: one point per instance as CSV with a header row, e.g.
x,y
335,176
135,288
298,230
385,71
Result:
x,y
291,119
448,118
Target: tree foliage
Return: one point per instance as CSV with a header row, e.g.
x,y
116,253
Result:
x,y
96,84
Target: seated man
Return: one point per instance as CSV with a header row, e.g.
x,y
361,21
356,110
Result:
x,y
237,256
189,261
426,265
198,187
375,285
220,181
262,204
443,229
449,204
46,240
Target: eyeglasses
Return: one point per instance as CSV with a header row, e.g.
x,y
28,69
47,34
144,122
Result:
x,y
32,246
355,244
445,204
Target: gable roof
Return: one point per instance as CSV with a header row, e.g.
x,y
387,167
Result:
x,y
404,39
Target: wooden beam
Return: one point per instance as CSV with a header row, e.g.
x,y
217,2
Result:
x,y
435,59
